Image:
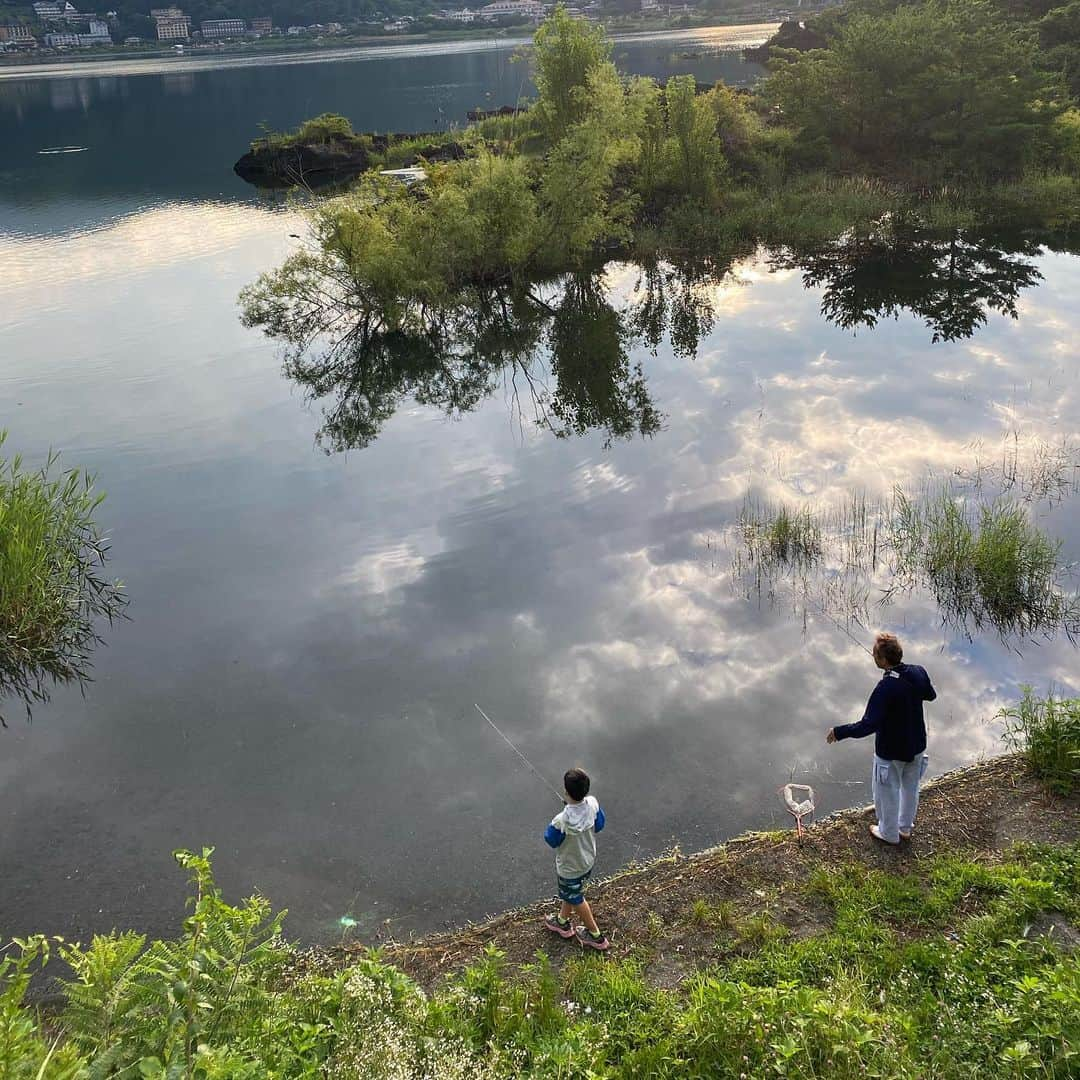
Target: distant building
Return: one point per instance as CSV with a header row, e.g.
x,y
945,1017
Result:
x,y
262,26
223,28
55,10
296,31
17,35
97,34
462,16
522,9
172,24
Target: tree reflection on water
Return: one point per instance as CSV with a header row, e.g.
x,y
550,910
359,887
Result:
x,y
563,348
950,282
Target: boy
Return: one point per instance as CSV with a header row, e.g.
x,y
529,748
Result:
x,y
572,833
894,715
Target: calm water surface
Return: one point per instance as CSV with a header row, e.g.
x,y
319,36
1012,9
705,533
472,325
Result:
x,y
310,631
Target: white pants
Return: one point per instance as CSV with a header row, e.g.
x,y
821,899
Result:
x,y
896,794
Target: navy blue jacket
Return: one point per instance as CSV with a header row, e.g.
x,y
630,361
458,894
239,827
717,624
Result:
x,y
894,714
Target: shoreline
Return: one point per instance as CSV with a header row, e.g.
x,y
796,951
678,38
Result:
x,y
646,909
146,62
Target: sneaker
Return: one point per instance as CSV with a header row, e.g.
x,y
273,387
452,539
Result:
x,y
907,835
599,942
875,832
563,927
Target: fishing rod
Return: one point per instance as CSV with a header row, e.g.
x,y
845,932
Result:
x,y
528,764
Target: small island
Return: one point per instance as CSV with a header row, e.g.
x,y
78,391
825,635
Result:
x,y
326,152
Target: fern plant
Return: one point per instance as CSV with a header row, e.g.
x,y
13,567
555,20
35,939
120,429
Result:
x,y
169,1006
25,1051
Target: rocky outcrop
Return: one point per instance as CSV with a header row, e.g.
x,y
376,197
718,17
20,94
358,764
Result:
x,y
790,35
324,164
269,165
473,115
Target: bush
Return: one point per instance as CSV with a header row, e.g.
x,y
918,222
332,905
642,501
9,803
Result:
x,y
1047,731
323,129
51,589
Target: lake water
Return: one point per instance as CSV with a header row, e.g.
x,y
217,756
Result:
x,y
310,631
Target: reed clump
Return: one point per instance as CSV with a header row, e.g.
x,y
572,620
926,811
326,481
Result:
x,y
983,558
1047,731
987,565
52,591
776,535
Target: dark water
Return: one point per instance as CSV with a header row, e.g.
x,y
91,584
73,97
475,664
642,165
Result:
x,y
173,130
310,630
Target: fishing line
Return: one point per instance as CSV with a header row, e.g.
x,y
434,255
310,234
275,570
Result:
x,y
532,768
839,626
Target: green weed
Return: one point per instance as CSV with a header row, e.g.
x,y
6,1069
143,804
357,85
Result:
x,y
1047,730
52,593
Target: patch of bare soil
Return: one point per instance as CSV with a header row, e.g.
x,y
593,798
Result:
x,y
653,910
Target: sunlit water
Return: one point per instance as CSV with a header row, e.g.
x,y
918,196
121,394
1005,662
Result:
x,y
309,632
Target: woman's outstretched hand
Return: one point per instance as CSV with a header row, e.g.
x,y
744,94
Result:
x,y
830,735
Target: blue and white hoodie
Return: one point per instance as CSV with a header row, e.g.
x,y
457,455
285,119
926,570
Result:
x,y
572,833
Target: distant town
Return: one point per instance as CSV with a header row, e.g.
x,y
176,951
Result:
x,y
57,26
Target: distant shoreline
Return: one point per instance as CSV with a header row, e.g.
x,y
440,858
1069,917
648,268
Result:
x,y
196,59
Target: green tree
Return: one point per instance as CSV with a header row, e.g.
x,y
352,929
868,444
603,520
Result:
x,y
948,88
566,52
581,207
698,155
1059,39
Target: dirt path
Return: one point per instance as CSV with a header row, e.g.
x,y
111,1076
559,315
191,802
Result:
x,y
981,810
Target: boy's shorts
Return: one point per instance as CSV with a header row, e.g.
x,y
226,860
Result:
x,y
572,890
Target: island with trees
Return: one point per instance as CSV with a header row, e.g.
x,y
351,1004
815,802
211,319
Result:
x,y
942,115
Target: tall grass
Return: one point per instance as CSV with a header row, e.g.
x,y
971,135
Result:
x,y
1047,731
985,561
987,565
52,592
776,535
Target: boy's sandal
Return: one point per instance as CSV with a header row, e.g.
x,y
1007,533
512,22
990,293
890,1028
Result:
x,y
600,944
558,926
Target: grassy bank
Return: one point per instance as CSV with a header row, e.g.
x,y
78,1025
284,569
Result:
x,y
828,957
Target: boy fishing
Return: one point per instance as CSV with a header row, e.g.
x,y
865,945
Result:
x,y
572,833
894,716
